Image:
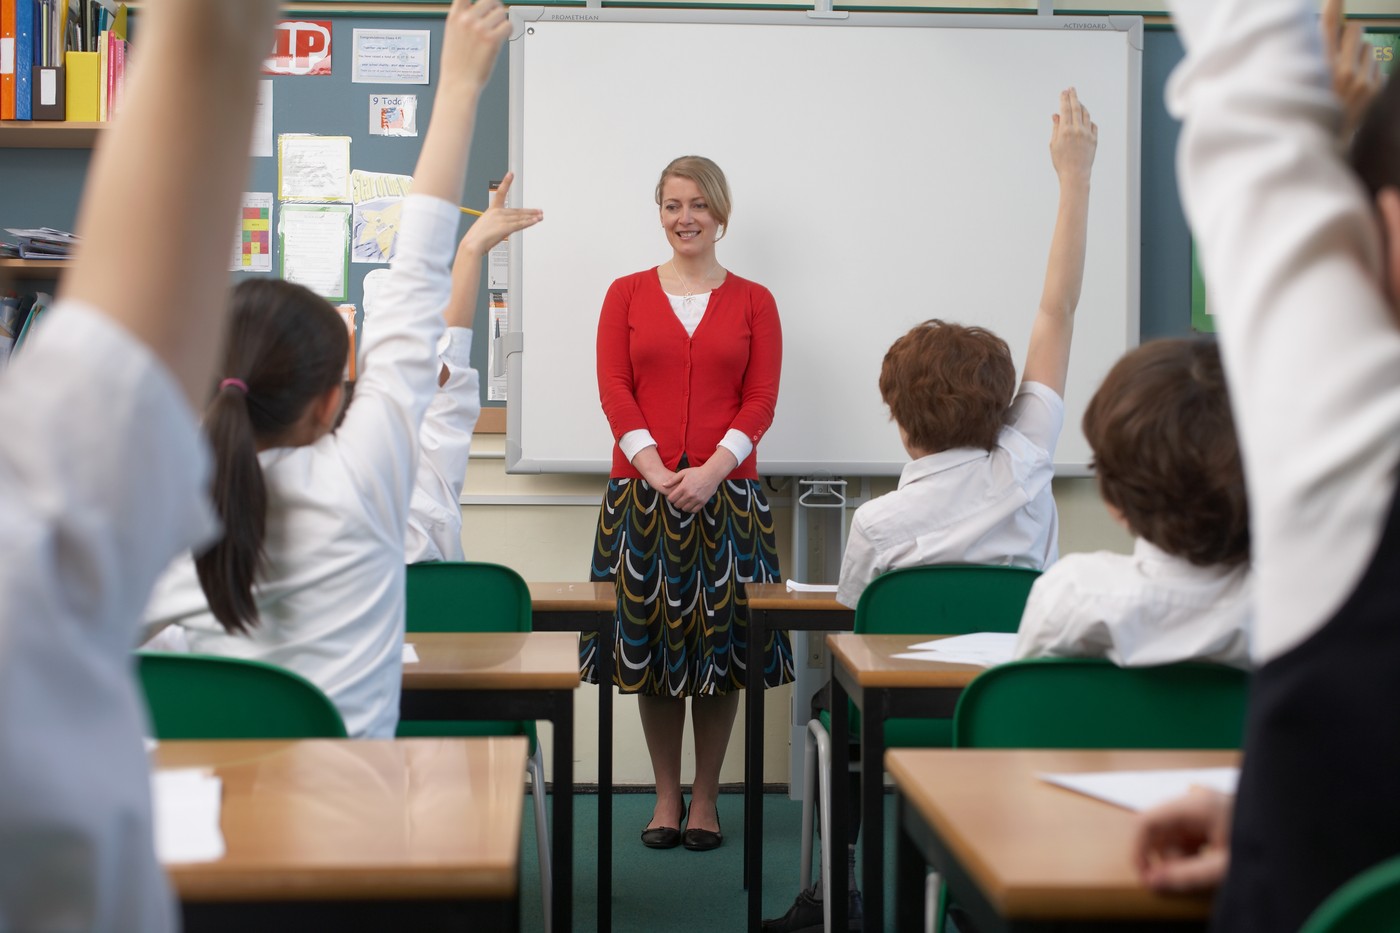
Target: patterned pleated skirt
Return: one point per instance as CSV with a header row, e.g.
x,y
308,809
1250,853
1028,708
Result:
x,y
682,613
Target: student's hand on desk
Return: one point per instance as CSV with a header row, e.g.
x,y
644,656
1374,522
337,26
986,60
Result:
x,y
472,36
1356,75
1184,845
1073,140
497,223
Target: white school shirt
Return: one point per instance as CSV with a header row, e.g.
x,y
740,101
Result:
x,y
1138,610
1291,252
331,593
445,447
104,479
965,505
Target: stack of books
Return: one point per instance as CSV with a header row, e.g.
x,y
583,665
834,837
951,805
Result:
x,y
62,59
17,316
41,243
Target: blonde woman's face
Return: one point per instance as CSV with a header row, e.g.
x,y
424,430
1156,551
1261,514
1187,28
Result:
x,y
685,216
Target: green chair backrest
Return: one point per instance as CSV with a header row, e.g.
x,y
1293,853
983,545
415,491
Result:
x,y
466,597
946,599
1365,904
1093,703
198,696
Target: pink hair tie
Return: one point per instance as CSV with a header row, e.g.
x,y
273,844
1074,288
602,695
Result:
x,y
238,384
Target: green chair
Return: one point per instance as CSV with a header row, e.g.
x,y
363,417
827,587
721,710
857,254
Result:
x,y
1365,904
198,696
467,596
1093,703
947,599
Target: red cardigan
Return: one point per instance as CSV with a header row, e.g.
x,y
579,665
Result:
x,y
688,391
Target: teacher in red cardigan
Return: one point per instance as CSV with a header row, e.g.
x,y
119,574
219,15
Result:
x,y
689,356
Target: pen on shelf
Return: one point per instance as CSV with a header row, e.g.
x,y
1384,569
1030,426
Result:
x,y
468,210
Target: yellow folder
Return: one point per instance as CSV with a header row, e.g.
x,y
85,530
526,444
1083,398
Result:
x,y
84,84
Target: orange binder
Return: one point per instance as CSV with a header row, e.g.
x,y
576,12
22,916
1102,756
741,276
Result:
x,y
7,59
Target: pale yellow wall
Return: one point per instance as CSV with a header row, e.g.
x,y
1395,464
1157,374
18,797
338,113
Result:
x,y
552,541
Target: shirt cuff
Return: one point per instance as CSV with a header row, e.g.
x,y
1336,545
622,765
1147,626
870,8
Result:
x,y
455,347
737,443
634,442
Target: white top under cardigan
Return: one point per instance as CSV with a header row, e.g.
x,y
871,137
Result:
x,y
331,595
966,506
103,479
1138,610
1291,251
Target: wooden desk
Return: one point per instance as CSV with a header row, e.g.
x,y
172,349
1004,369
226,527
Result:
x,y
1019,854
882,687
590,607
355,834
507,675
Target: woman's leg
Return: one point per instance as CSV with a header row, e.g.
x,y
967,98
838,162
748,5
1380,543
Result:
x,y
663,724
713,718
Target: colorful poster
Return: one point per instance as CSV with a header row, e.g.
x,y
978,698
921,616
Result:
x,y
314,247
313,168
1387,49
252,250
390,56
378,200
393,115
301,47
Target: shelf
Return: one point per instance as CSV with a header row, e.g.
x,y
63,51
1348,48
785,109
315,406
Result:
x,y
18,270
44,134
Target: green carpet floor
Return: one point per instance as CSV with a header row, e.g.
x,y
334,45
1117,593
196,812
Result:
x,y
675,890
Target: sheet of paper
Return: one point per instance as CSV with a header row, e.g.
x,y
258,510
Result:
x,y
313,168
390,56
1142,790
315,241
252,248
187,802
794,587
262,122
378,200
410,653
393,114
497,378
983,648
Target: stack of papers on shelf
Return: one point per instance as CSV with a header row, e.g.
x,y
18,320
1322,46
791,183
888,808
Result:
x,y
1142,790
43,242
188,802
985,649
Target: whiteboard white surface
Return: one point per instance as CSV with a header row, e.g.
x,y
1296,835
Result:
x,y
885,169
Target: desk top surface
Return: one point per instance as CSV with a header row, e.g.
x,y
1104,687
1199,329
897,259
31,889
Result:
x,y
871,660
359,819
1038,851
601,597
492,661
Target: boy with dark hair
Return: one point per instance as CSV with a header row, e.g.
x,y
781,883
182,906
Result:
x,y
1168,468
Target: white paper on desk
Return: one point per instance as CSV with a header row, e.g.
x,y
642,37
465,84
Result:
x,y
985,648
410,653
939,657
794,587
1142,790
187,806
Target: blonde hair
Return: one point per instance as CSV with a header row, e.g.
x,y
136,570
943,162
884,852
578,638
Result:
x,y
708,176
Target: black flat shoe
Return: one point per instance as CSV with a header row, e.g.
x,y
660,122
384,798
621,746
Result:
x,y
664,837
703,840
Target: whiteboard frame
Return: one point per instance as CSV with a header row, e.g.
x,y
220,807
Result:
x,y
511,346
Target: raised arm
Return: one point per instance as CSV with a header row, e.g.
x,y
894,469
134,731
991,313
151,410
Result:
x,y
195,84
498,223
1073,141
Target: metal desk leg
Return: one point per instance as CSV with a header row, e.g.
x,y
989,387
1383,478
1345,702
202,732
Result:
x,y
839,779
563,813
606,636
872,816
753,768
909,871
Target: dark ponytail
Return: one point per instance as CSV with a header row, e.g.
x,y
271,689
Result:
x,y
285,347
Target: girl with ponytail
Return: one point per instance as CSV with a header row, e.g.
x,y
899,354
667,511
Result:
x,y
309,573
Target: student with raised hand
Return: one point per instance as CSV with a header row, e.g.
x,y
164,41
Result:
x,y
977,488
102,472
309,574
1303,263
445,440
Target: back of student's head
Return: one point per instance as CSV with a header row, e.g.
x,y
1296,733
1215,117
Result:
x,y
1166,453
948,385
285,348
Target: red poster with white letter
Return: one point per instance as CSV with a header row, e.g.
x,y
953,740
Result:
x,y
303,47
